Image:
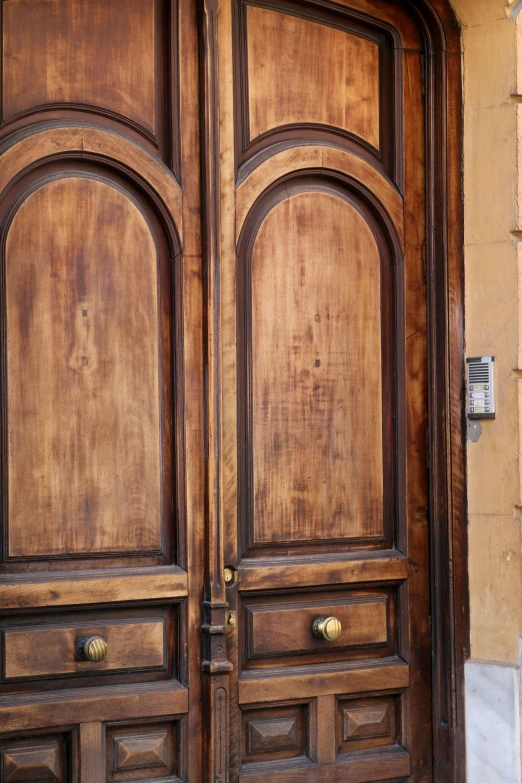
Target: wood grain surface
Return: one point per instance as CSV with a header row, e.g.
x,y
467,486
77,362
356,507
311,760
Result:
x,y
82,325
289,62
231,253
40,652
317,399
80,54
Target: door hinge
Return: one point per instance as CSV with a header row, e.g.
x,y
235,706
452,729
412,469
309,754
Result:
x,y
428,461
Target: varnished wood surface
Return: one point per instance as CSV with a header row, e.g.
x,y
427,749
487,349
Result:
x,y
280,626
260,174
21,151
142,751
41,757
300,412
40,652
91,744
392,765
91,587
107,79
68,707
82,322
262,686
316,406
193,741
365,723
81,55
289,62
292,713
314,571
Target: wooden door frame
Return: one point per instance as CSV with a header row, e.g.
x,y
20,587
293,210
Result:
x,y
446,437
446,411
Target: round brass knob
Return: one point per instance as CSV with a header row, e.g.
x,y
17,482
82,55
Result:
x,y
91,648
328,628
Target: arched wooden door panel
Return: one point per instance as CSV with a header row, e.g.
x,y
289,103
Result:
x,y
217,256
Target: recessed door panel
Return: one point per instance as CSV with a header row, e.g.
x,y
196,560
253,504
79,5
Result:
x,y
317,446
68,62
84,410
290,59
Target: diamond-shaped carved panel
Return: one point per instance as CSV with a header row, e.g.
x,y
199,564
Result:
x,y
141,751
277,732
366,723
147,750
34,759
268,734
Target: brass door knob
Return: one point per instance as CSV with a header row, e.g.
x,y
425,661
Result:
x,y
328,628
91,648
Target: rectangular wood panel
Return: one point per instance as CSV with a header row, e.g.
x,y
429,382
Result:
x,y
275,733
42,652
40,758
87,52
140,751
282,626
291,59
367,723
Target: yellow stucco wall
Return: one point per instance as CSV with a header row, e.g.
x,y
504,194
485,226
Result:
x,y
493,288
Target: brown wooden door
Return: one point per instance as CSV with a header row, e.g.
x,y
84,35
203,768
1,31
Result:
x,y
102,406
318,392
214,421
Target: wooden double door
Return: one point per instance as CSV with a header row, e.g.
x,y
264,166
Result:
x,y
215,528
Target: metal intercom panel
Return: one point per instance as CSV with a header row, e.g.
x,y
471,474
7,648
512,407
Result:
x,y
480,387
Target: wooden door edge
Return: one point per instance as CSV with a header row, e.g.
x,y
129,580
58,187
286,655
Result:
x,y
450,624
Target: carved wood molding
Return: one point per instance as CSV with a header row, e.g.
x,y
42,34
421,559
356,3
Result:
x,y
47,142
215,662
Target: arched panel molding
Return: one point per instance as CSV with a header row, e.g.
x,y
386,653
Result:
x,y
141,186
24,151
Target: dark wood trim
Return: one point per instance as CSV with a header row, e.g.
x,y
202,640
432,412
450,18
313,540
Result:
x,y
216,666
446,448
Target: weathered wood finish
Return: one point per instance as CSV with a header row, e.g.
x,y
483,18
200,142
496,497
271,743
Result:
x,y
328,449
70,61
243,383
82,317
308,305
284,88
101,426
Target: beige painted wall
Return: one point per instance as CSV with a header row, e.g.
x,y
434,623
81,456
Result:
x,y
492,43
